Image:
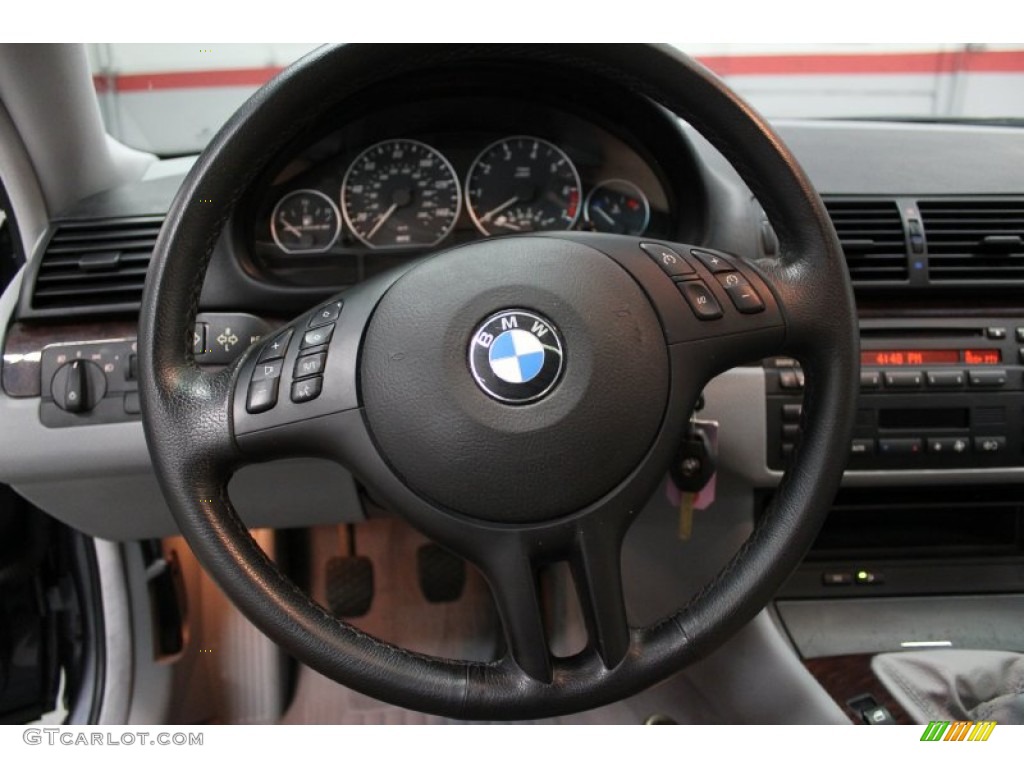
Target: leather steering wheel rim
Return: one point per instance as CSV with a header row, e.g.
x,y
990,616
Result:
x,y
190,415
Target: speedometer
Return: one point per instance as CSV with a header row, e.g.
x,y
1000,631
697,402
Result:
x,y
523,184
400,193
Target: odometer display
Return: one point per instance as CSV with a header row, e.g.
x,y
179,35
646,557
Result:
x,y
400,194
901,357
523,184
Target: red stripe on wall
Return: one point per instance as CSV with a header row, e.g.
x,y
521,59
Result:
x,y
867,63
726,66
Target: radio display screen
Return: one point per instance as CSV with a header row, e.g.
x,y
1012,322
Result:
x,y
899,357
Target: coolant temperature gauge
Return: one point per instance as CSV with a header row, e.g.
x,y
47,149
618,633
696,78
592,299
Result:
x,y
618,206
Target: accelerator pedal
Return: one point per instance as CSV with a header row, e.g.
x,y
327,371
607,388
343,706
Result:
x,y
442,575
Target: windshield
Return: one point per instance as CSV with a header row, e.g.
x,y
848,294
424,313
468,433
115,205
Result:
x,y
170,99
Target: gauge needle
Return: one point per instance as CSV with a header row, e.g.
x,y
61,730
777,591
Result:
x,y
380,222
604,215
294,230
495,211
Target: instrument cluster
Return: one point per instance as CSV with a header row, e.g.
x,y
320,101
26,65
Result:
x,y
370,194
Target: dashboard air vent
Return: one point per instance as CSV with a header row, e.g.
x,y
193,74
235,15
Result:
x,y
873,240
972,241
97,266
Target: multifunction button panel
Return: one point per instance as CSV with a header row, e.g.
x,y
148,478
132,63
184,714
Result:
x,y
934,394
696,290
307,380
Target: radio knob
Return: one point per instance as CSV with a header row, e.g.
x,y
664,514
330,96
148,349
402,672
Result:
x,y
78,386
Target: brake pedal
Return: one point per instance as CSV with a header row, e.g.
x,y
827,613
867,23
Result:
x,y
349,586
442,575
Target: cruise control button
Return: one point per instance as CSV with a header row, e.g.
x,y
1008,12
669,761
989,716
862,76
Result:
x,y
903,379
701,300
713,261
987,378
990,444
742,294
310,365
277,346
317,336
326,314
262,395
670,261
271,369
945,378
307,389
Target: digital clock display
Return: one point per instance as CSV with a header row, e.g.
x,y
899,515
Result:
x,y
900,357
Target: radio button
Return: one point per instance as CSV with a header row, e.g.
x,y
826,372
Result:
x,y
870,380
945,378
899,446
954,445
903,379
862,447
987,378
990,444
1020,335
996,333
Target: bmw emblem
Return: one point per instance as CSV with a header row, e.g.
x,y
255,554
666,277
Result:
x,y
516,356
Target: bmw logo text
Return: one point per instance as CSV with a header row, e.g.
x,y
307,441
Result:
x,y
516,356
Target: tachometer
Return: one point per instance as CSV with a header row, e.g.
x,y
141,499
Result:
x,y
523,184
400,193
305,221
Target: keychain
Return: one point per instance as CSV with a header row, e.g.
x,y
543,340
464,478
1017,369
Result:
x,y
693,474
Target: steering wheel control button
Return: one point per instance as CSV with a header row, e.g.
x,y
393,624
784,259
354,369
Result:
x,y
277,347
326,314
270,369
310,365
317,337
701,300
669,260
903,379
741,292
305,390
713,261
516,356
262,395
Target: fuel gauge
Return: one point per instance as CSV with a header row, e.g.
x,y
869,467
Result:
x,y
305,221
619,206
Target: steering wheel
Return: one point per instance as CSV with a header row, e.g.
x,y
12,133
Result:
x,y
516,399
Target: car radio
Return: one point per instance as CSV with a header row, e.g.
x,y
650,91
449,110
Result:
x,y
934,394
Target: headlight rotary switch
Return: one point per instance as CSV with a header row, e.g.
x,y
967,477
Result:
x,y
78,386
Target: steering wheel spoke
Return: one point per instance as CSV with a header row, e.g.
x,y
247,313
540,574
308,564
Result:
x,y
597,571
